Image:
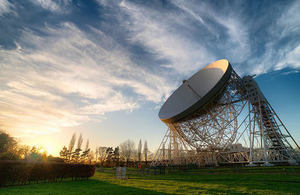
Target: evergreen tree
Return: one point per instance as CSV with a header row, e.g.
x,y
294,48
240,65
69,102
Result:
x,y
64,153
116,156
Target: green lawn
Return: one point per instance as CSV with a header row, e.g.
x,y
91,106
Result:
x,y
270,180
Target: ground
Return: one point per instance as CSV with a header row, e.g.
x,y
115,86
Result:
x,y
258,180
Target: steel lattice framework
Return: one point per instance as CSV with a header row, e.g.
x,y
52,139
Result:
x,y
237,126
214,127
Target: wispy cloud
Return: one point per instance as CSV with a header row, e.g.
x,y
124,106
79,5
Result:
x,y
65,73
291,72
115,103
282,48
63,78
289,22
185,37
53,5
231,35
5,7
288,27
291,58
238,39
159,33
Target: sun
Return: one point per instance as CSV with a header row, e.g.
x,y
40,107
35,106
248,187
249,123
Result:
x,y
42,150
49,149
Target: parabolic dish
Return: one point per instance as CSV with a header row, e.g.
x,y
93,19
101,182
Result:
x,y
195,92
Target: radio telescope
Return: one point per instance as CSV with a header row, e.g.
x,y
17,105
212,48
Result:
x,y
215,117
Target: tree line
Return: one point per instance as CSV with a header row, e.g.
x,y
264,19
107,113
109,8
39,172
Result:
x,y
76,154
10,149
126,152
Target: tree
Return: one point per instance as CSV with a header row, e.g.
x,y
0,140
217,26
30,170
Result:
x,y
146,151
23,151
79,141
96,154
71,146
116,156
127,149
87,144
64,153
109,155
35,154
8,147
11,150
85,153
90,156
76,154
139,151
102,154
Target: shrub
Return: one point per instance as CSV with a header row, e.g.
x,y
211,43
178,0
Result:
x,y
22,172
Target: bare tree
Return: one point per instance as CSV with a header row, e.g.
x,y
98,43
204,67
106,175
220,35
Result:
x,y
102,154
90,156
96,154
87,145
127,149
79,142
146,151
139,151
76,154
85,154
72,142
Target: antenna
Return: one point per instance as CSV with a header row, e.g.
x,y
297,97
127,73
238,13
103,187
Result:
x,y
215,117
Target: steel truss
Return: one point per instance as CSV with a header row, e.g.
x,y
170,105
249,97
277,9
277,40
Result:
x,y
238,126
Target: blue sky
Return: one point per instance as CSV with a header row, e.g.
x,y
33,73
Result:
x,y
104,68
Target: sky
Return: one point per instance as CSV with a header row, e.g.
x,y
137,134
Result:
x,y
103,68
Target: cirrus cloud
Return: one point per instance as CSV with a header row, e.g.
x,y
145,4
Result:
x,y
64,78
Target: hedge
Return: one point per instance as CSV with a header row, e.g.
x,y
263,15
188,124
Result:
x,y
22,172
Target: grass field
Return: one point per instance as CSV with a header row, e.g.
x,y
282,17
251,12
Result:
x,y
258,180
